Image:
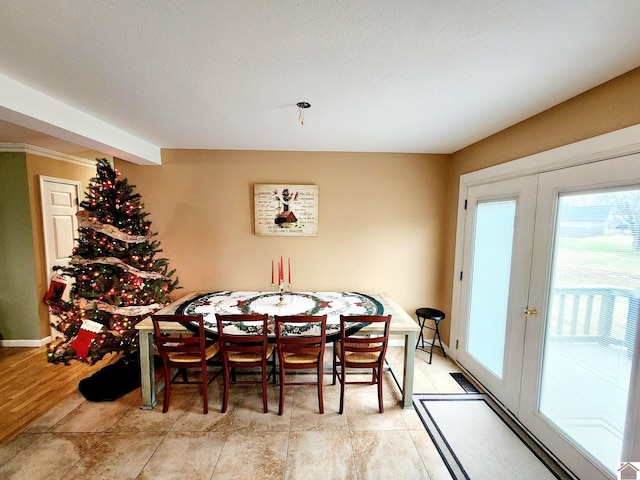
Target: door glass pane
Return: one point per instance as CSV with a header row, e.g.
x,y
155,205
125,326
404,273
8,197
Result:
x,y
491,271
591,320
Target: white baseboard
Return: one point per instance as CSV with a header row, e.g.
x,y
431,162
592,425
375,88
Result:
x,y
25,343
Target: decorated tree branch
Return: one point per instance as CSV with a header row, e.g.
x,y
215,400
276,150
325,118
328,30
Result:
x,y
114,275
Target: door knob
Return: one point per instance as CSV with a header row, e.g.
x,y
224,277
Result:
x,y
531,312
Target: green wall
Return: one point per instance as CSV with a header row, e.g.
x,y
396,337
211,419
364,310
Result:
x,y
18,302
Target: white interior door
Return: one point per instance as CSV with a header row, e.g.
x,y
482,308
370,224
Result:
x,y
580,383
495,277
60,200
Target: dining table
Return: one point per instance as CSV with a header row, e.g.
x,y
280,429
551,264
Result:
x,y
402,328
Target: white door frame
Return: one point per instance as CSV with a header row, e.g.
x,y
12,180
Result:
x,y
608,145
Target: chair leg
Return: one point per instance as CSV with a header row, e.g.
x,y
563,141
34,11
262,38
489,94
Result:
x,y
421,335
225,389
282,378
320,382
433,341
264,386
343,380
380,400
167,388
439,339
335,366
205,389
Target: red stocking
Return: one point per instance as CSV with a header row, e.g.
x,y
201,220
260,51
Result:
x,y
86,335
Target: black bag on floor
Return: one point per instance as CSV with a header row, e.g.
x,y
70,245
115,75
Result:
x,y
113,381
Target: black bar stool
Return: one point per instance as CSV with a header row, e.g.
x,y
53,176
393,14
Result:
x,y
436,316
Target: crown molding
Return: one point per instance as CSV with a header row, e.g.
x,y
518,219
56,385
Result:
x,y
44,152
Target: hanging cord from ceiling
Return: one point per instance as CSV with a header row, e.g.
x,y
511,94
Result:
x,y
301,108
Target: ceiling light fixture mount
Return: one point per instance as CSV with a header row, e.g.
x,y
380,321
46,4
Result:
x,y
301,107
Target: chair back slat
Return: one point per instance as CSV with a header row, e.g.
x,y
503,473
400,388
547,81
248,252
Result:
x,y
254,342
300,342
376,343
188,342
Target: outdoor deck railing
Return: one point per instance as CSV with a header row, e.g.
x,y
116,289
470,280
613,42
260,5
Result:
x,y
606,315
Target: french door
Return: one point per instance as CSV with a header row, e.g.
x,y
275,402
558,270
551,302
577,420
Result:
x,y
500,217
553,335
578,392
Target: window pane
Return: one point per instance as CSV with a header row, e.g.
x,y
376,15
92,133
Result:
x,y
490,276
591,320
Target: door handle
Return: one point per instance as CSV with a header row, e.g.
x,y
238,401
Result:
x,y
531,312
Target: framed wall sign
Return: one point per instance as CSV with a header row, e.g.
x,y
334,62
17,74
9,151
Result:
x,y
286,210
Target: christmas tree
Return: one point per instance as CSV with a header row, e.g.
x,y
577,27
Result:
x,y
115,276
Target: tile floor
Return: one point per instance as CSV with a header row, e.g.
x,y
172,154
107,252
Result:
x,y
117,440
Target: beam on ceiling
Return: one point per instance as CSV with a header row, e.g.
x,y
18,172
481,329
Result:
x,y
32,109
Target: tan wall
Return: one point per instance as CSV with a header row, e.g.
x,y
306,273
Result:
x,y
380,220
37,166
611,106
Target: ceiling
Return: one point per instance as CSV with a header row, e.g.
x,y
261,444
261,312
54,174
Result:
x,y
428,76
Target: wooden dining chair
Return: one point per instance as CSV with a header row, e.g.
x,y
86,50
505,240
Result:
x,y
184,351
243,343
300,342
362,352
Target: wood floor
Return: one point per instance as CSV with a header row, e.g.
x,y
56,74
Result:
x,y
30,386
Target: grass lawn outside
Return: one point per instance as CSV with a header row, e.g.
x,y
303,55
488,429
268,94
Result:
x,y
604,261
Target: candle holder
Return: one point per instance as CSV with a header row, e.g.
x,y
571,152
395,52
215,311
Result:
x,y
281,289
